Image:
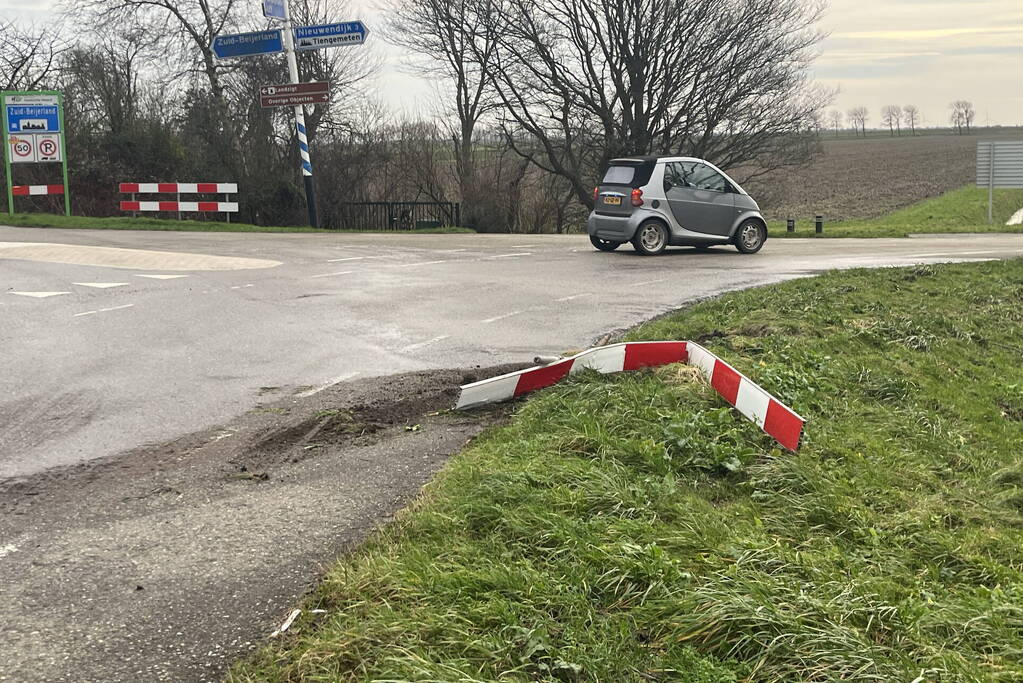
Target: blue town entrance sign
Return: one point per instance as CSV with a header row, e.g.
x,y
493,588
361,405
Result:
x,y
248,44
32,114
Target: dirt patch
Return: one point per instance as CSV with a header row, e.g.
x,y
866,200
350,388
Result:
x,y
867,178
167,562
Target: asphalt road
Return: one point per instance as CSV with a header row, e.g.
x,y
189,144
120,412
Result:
x,y
122,339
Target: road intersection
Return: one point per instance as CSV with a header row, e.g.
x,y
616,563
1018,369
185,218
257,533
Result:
x,y
112,340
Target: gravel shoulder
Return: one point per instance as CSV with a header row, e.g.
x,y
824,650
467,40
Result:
x,y
167,562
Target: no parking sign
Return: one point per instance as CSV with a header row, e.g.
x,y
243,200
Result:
x,y
33,123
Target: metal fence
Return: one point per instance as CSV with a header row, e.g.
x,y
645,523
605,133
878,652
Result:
x,y
393,215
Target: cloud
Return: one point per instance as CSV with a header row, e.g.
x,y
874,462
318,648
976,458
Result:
x,y
928,33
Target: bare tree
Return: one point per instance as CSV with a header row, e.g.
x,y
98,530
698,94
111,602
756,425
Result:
x,y
29,57
911,115
183,28
835,119
590,80
458,43
858,117
962,116
891,115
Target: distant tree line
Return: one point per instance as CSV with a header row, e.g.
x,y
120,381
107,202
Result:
x,y
894,117
534,97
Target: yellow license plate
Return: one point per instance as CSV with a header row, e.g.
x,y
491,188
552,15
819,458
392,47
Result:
x,y
613,201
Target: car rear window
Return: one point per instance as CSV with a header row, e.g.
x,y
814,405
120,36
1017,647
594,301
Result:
x,y
619,175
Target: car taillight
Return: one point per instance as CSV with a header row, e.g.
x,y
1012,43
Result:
x,y
596,193
637,197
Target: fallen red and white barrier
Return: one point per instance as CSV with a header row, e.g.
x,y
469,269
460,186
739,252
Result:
x,y
32,190
776,419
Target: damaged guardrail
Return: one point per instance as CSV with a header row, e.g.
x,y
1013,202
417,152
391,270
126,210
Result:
x,y
776,419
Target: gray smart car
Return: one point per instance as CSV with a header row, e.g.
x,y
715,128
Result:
x,y
656,202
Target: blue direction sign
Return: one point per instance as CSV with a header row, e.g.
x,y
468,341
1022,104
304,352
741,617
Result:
x,y
32,114
274,9
330,35
248,44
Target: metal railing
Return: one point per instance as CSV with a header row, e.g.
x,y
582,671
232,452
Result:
x,y
392,215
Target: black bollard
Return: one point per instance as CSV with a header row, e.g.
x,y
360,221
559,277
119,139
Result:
x,y
818,225
790,225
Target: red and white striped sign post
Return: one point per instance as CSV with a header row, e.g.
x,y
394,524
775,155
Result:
x,y
135,205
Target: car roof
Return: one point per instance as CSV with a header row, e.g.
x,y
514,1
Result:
x,y
652,159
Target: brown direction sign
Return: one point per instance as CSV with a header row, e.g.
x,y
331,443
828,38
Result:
x,y
294,94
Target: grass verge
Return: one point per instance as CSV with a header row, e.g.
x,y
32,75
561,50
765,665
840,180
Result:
x,y
962,210
631,528
45,220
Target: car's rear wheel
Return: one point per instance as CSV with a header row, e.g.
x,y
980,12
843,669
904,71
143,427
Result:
x,y
750,237
604,245
651,238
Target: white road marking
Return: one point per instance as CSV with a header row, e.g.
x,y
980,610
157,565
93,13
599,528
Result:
x,y
524,253
963,253
343,272
570,298
351,258
101,285
8,549
415,347
318,389
500,317
104,310
522,246
650,282
424,263
39,295
450,251
242,286
162,277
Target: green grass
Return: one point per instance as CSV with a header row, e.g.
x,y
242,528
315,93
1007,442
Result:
x,y
962,210
631,528
44,220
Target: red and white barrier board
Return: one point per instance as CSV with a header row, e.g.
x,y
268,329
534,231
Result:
x,y
178,188
31,190
224,207
776,419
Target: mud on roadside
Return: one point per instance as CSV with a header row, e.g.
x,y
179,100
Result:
x,y
166,562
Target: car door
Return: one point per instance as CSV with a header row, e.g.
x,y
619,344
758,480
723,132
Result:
x,y
700,198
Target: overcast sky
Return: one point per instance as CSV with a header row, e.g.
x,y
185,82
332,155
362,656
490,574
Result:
x,y
922,52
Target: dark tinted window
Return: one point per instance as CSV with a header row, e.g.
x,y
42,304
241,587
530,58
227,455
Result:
x,y
695,175
619,175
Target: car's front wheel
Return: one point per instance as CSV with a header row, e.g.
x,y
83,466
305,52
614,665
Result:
x,y
604,245
651,238
750,237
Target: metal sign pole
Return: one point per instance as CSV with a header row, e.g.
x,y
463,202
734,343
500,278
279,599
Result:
x,y
303,141
8,178
991,183
63,154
